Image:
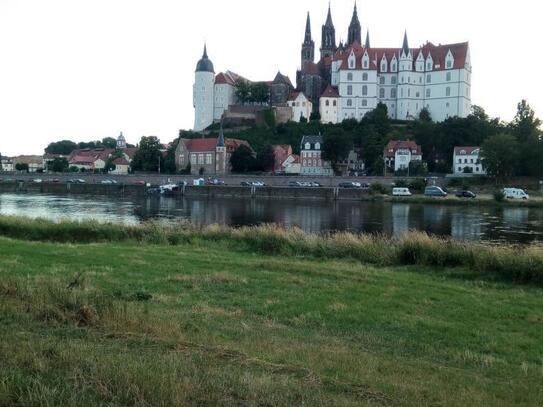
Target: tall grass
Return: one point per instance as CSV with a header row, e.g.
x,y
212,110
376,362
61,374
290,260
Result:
x,y
518,264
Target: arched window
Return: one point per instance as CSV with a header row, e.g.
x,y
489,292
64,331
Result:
x,y
350,90
327,103
334,103
349,102
393,93
364,90
364,76
382,93
448,91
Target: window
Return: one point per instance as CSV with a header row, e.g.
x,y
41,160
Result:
x,y
364,76
383,66
449,64
364,90
418,94
449,76
209,159
350,90
393,80
408,93
193,158
428,93
428,78
364,102
349,102
394,66
200,158
327,103
382,80
429,66
307,146
393,93
349,76
317,147
365,64
334,103
382,93
448,91
351,63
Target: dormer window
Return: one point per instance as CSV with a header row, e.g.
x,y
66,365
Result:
x,y
307,146
365,64
317,146
449,60
394,66
448,65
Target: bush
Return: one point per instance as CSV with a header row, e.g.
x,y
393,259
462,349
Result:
x,y
401,183
499,196
418,184
378,189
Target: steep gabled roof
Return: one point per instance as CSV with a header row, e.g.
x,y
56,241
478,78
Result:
x,y
466,150
330,92
395,145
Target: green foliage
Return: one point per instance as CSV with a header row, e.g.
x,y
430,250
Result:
x,y
21,167
336,147
248,92
315,117
148,155
378,189
242,160
269,118
64,147
109,163
499,196
266,158
418,185
58,164
500,155
418,168
109,142
168,164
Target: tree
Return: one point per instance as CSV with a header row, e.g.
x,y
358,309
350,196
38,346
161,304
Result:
x,y
500,155
243,91
21,167
424,115
109,163
58,165
266,158
148,155
242,160
315,117
169,166
260,93
525,125
336,147
64,147
109,142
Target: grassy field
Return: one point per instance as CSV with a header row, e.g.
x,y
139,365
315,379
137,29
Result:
x,y
208,323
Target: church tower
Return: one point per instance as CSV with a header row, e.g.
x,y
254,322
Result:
x,y
220,154
328,41
355,30
308,47
204,83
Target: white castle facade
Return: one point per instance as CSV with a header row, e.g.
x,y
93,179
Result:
x,y
349,80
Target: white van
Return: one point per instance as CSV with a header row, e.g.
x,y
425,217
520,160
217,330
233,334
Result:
x,y
515,193
401,192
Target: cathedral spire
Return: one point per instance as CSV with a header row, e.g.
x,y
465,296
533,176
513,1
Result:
x,y
328,39
205,50
355,30
220,140
329,22
367,45
405,46
308,47
308,29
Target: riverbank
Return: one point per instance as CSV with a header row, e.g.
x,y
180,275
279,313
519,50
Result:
x,y
268,193
512,263
221,319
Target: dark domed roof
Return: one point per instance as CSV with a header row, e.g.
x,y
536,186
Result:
x,y
205,64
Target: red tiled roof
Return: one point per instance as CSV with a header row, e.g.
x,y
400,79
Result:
x,y
395,145
330,92
210,144
130,151
466,150
83,160
294,95
121,161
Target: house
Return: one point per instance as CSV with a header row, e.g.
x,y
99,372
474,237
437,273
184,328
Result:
x,y
122,166
329,105
209,156
399,154
34,162
301,106
311,157
6,164
292,165
354,164
281,152
467,160
90,159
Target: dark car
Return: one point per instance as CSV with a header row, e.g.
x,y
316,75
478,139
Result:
x,y
295,184
349,185
465,194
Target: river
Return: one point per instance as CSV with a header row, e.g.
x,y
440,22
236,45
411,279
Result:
x,y
488,224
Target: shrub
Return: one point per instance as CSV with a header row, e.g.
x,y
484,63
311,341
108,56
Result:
x,y
418,184
378,189
499,196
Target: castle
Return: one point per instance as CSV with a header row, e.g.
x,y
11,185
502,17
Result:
x,y
350,79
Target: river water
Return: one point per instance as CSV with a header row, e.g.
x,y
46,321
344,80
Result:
x,y
489,224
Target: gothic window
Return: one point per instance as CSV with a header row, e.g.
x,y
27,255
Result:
x,y
429,66
382,93
364,90
383,67
365,64
448,91
364,76
449,65
349,76
394,67
448,76
350,90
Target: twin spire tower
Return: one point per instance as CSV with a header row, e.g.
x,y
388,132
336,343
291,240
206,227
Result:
x,y
328,38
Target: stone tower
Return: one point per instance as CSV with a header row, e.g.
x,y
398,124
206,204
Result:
x,y
308,47
355,30
328,41
203,90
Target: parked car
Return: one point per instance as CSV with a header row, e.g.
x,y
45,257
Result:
x,y
140,182
37,181
434,191
76,181
216,182
349,185
515,193
54,180
294,184
106,182
315,184
465,194
401,192
252,184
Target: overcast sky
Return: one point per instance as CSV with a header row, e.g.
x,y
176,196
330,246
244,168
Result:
x,y
88,69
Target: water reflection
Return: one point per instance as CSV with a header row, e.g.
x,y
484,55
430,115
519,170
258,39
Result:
x,y
515,225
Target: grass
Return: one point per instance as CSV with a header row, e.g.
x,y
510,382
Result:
x,y
205,323
519,264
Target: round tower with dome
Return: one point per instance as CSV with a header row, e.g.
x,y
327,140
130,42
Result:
x,y
121,142
204,83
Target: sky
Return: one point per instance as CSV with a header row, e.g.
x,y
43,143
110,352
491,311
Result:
x,y
88,69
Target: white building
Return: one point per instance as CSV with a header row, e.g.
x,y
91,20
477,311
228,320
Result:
x,y
311,157
399,154
467,160
203,93
329,105
301,106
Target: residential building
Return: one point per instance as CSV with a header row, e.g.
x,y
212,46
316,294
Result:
x,y
122,166
292,165
207,156
6,164
467,160
399,154
281,152
311,157
354,165
34,162
329,105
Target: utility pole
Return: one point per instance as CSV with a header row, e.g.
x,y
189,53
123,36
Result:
x,y
159,164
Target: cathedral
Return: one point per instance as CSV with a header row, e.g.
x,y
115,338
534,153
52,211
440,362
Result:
x,y
349,79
